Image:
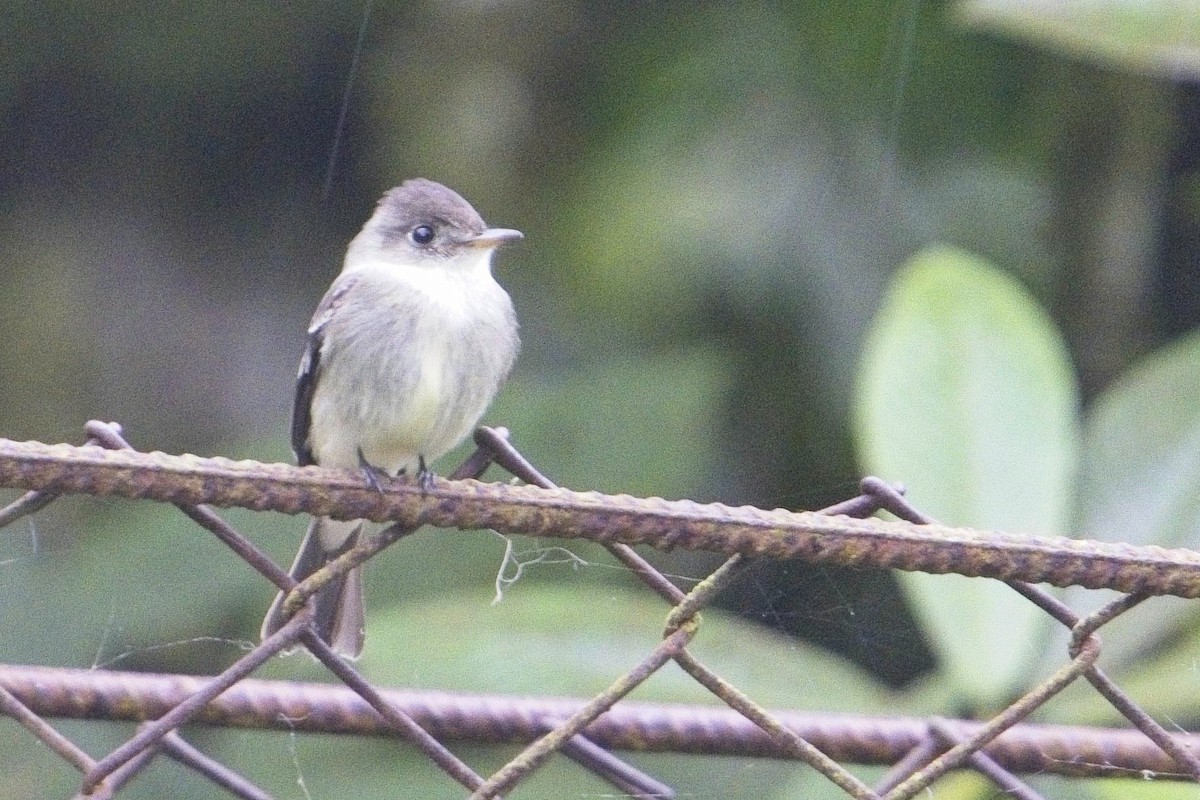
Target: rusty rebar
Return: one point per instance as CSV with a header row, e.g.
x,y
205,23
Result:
x,y
686,609
1009,784
64,748
393,716
149,737
541,749
1082,631
533,511
995,747
287,706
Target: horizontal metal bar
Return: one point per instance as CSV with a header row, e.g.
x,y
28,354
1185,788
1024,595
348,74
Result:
x,y
534,511
632,726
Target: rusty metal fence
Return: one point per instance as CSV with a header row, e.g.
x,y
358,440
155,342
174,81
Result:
x,y
919,751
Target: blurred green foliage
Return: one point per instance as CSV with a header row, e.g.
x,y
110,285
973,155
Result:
x,y
714,198
966,391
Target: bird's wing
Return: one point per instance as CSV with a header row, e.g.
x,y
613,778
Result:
x,y
310,366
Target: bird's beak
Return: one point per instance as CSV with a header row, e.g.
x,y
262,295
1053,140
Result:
x,y
494,237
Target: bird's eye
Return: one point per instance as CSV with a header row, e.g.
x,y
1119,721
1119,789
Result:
x,y
422,234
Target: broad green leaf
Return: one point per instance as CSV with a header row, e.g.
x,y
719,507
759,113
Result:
x,y
1142,789
1140,478
1165,682
966,396
1153,36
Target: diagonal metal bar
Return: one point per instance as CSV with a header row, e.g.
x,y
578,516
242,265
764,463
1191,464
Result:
x,y
25,505
703,593
942,735
367,547
109,435
174,747
1171,744
923,751
121,775
687,612
1010,784
58,744
1081,629
740,702
1022,708
508,457
395,717
536,754
151,735
34,501
793,744
604,764
473,467
1185,757
632,782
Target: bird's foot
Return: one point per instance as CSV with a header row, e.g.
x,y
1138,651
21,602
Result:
x,y
373,474
425,475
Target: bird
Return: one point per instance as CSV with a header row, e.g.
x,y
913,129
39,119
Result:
x,y
405,352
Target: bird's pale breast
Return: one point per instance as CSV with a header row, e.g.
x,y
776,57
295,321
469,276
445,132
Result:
x,y
411,376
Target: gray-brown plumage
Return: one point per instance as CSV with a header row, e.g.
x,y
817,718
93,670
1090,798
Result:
x,y
405,352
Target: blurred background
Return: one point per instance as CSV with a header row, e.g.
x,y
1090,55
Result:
x,y
713,197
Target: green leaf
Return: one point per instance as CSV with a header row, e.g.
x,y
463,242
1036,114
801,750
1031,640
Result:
x,y
1142,789
1140,480
966,396
1153,36
1163,682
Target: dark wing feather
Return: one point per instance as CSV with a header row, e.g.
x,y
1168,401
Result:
x,y
306,386
310,367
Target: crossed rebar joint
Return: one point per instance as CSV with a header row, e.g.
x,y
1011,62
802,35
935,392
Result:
x,y
840,534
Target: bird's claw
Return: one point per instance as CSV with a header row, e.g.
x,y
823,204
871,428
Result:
x,y
373,474
425,476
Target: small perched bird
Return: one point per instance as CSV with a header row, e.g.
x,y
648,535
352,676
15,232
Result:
x,y
405,352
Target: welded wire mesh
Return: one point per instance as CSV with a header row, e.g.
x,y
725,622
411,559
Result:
x,y
592,730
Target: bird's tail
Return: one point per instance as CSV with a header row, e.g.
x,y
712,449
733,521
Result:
x,y
339,606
